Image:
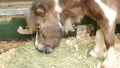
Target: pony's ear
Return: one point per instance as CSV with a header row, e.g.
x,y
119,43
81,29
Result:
x,y
40,11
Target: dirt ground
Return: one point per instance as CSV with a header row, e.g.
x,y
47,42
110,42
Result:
x,y
11,5
72,53
5,46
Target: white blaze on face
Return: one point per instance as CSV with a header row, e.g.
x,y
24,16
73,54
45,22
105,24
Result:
x,y
58,10
37,42
109,13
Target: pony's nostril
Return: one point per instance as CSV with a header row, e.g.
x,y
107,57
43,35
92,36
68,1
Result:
x,y
48,50
45,49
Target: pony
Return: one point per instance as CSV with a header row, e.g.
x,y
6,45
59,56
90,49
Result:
x,y
48,19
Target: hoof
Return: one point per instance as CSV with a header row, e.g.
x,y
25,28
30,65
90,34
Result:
x,y
45,49
107,64
95,54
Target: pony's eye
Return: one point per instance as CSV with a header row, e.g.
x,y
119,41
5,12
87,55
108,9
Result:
x,y
40,11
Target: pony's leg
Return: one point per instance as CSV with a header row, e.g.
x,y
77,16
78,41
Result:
x,y
109,42
97,52
40,46
105,35
109,37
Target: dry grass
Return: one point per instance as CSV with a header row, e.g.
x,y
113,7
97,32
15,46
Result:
x,y
72,55
65,56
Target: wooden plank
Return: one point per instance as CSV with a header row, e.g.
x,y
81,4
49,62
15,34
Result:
x,y
14,0
15,3
14,11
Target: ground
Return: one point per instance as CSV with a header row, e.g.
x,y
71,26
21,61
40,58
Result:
x,y
71,53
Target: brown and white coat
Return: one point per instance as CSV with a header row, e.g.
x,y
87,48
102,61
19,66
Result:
x,y
48,17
